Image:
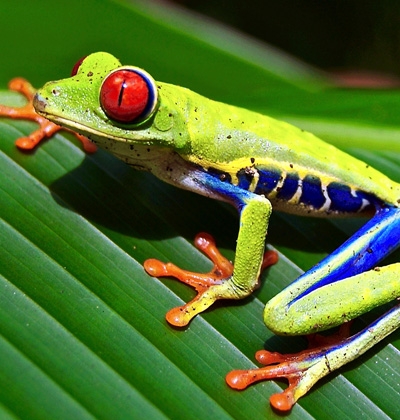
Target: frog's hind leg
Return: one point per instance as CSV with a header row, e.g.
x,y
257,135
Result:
x,y
340,288
304,369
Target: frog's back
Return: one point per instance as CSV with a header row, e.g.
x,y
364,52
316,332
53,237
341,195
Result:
x,y
297,171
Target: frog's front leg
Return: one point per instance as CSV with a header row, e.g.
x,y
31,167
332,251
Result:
x,y
340,288
224,281
46,128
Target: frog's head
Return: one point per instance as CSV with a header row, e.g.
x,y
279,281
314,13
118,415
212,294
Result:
x,y
103,99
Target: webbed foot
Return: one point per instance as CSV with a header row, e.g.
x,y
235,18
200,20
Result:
x,y
209,286
304,369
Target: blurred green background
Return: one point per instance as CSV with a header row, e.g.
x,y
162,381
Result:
x,y
332,35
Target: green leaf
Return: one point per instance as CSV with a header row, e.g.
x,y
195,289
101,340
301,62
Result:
x,y
82,329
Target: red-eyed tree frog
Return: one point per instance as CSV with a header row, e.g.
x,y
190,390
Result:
x,y
257,164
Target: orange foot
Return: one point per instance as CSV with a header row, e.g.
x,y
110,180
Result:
x,y
46,130
302,370
202,283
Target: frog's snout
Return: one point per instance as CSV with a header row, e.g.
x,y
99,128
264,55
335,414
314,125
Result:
x,y
39,103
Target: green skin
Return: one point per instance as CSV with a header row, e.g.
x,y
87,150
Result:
x,y
189,134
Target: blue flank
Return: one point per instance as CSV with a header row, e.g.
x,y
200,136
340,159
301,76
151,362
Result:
x,y
268,180
342,198
311,192
245,178
344,201
289,188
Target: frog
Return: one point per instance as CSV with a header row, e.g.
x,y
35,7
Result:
x,y
257,164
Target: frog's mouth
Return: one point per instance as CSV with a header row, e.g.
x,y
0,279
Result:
x,y
40,104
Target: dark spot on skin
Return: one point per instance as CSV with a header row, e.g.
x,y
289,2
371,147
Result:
x,y
245,177
250,171
131,146
90,74
223,176
369,250
291,165
148,149
252,160
229,136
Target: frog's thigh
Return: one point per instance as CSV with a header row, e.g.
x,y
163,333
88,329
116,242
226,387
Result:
x,y
333,304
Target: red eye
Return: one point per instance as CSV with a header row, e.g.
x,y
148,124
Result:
x,y
77,65
128,95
